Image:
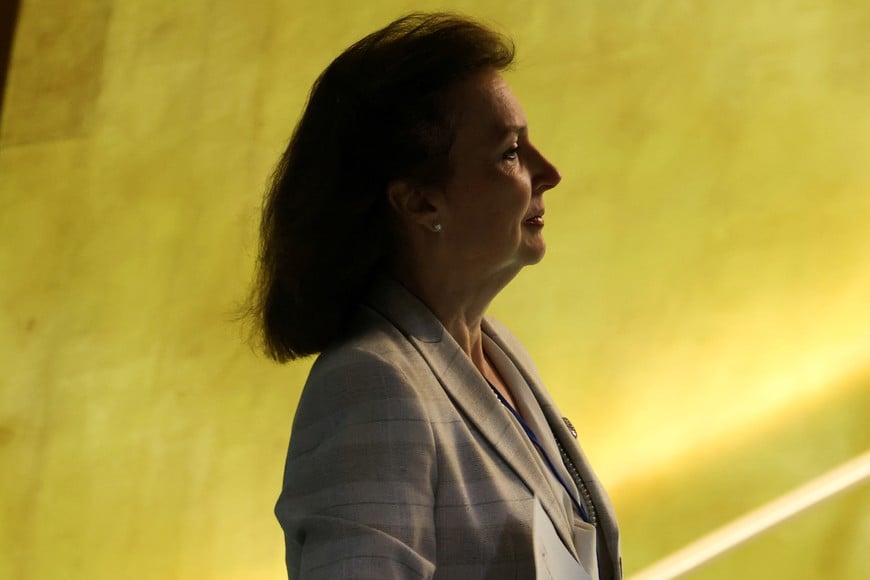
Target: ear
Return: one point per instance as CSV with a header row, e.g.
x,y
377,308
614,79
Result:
x,y
414,203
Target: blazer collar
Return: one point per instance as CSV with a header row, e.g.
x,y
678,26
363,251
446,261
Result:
x,y
469,391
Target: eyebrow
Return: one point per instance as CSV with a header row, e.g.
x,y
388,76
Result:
x,y
505,130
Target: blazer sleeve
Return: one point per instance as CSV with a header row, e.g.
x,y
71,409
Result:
x,y
358,494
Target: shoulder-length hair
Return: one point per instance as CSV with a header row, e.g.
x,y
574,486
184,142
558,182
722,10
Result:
x,y
378,112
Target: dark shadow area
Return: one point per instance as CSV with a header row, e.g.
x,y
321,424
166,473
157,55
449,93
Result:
x,y
8,20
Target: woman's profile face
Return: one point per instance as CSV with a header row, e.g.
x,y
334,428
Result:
x,y
493,202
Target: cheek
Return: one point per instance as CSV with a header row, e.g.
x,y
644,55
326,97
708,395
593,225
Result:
x,y
498,215
493,202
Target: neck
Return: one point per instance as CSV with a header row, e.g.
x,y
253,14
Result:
x,y
458,301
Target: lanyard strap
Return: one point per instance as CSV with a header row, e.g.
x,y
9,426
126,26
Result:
x,y
534,439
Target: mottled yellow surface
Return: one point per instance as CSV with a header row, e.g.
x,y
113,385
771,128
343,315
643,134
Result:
x,y
703,314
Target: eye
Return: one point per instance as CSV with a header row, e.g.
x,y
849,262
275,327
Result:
x,y
511,153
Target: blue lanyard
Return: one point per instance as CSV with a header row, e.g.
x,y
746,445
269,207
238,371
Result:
x,y
534,440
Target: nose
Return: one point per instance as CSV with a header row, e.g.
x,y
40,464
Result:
x,y
546,175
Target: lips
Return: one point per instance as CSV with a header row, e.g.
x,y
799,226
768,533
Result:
x,y
537,219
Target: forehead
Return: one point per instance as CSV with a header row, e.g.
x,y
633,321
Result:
x,y
486,110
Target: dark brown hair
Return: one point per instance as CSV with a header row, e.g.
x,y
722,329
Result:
x,y
377,113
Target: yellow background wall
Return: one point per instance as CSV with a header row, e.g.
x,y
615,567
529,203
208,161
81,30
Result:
x,y
703,314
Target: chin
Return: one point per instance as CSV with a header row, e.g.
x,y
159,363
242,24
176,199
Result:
x,y
537,259
534,254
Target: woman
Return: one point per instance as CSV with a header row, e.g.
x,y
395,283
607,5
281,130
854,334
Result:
x,y
408,197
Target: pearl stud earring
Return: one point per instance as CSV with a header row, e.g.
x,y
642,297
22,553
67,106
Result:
x,y
436,227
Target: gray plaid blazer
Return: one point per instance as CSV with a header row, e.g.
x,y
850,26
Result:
x,y
402,463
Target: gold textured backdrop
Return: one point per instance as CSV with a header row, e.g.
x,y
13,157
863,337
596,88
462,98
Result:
x,y
703,314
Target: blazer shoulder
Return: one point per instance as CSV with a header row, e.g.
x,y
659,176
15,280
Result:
x,y
372,365
353,390
353,372
372,345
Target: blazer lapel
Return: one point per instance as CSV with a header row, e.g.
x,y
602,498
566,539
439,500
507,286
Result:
x,y
603,507
469,391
